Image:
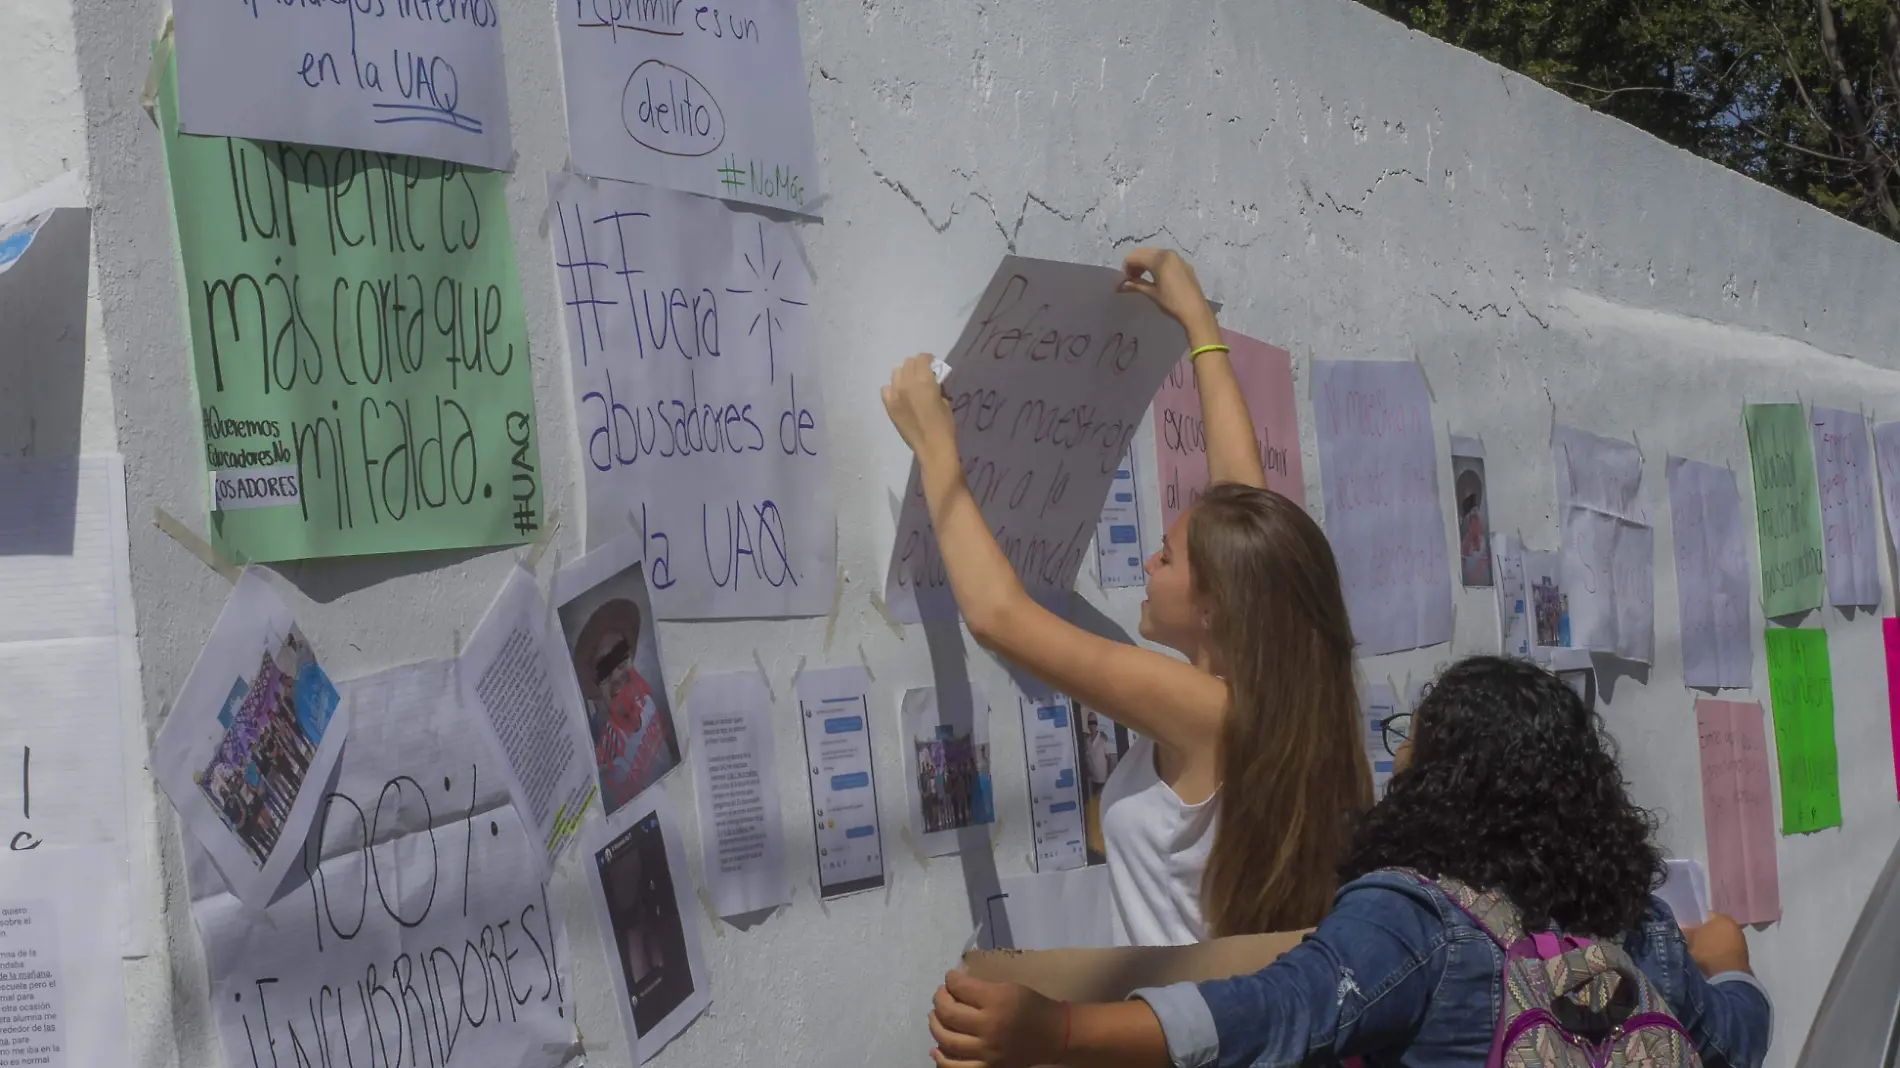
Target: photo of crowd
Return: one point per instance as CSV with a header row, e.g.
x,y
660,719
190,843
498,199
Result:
x,y
274,724
953,780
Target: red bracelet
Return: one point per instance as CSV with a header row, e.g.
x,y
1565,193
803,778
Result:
x,y
1068,1022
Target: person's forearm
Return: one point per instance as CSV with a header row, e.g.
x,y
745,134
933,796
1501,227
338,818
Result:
x,y
985,584
1124,1034
1232,455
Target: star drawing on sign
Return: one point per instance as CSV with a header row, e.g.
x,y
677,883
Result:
x,y
768,315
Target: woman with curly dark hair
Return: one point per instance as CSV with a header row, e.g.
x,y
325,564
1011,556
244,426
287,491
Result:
x,y
1507,811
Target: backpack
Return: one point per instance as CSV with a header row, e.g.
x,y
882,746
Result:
x,y
1570,1002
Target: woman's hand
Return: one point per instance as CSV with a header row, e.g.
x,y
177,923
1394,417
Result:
x,y
917,407
1718,946
995,1025
1164,277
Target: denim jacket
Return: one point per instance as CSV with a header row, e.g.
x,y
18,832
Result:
x,y
1399,975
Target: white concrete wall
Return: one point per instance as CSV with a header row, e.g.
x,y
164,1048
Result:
x,y
1349,189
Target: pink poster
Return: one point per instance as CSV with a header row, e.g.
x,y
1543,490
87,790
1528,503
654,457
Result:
x,y
1266,380
1890,628
1738,811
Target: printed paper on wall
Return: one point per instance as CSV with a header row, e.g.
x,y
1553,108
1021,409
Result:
x,y
357,338
701,425
707,100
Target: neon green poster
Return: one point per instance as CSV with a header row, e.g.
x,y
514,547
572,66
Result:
x,y
1787,508
359,348
1801,688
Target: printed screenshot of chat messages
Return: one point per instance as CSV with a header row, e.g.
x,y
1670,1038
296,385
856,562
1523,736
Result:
x,y
696,402
699,98
418,77
359,346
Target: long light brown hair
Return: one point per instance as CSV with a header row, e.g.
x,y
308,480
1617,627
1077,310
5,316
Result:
x,y
1294,775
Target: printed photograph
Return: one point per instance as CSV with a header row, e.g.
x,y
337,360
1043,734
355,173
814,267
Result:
x,y
1550,605
1474,520
274,723
953,779
616,657
1100,743
648,936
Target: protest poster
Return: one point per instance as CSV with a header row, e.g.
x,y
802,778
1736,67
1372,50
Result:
x,y
1379,470
1265,374
360,352
416,77
696,398
415,932
707,100
1048,382
1787,508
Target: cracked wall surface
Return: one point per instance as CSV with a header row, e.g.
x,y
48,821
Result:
x,y
1348,190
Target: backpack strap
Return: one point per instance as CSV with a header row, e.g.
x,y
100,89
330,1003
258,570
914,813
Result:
x,y
1489,911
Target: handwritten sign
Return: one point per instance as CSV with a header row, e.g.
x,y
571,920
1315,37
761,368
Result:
x,y
1801,685
695,397
1786,512
1266,381
1378,463
417,77
1738,815
1711,576
703,99
1844,470
362,361
415,932
1048,382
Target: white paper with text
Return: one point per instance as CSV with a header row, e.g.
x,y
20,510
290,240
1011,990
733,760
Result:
x,y
741,830
1712,576
521,689
707,100
696,397
1379,469
414,77
422,917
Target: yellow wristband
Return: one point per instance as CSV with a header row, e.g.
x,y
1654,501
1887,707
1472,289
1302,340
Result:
x,y
1192,356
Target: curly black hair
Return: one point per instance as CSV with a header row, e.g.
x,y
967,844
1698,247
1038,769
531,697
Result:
x,y
1513,785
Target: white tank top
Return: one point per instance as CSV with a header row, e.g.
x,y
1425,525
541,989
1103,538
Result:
x,y
1157,849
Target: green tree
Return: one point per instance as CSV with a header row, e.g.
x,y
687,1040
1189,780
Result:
x,y
1803,95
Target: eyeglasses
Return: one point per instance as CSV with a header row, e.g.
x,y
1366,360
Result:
x,y
1395,730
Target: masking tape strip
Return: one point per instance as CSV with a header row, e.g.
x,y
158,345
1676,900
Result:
x,y
148,96
915,849
820,895
189,540
837,602
1423,377
877,602
764,676
712,914
866,661
686,685
541,543
796,672
890,880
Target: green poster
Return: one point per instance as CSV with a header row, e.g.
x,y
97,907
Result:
x,y
360,353
1801,688
1787,508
